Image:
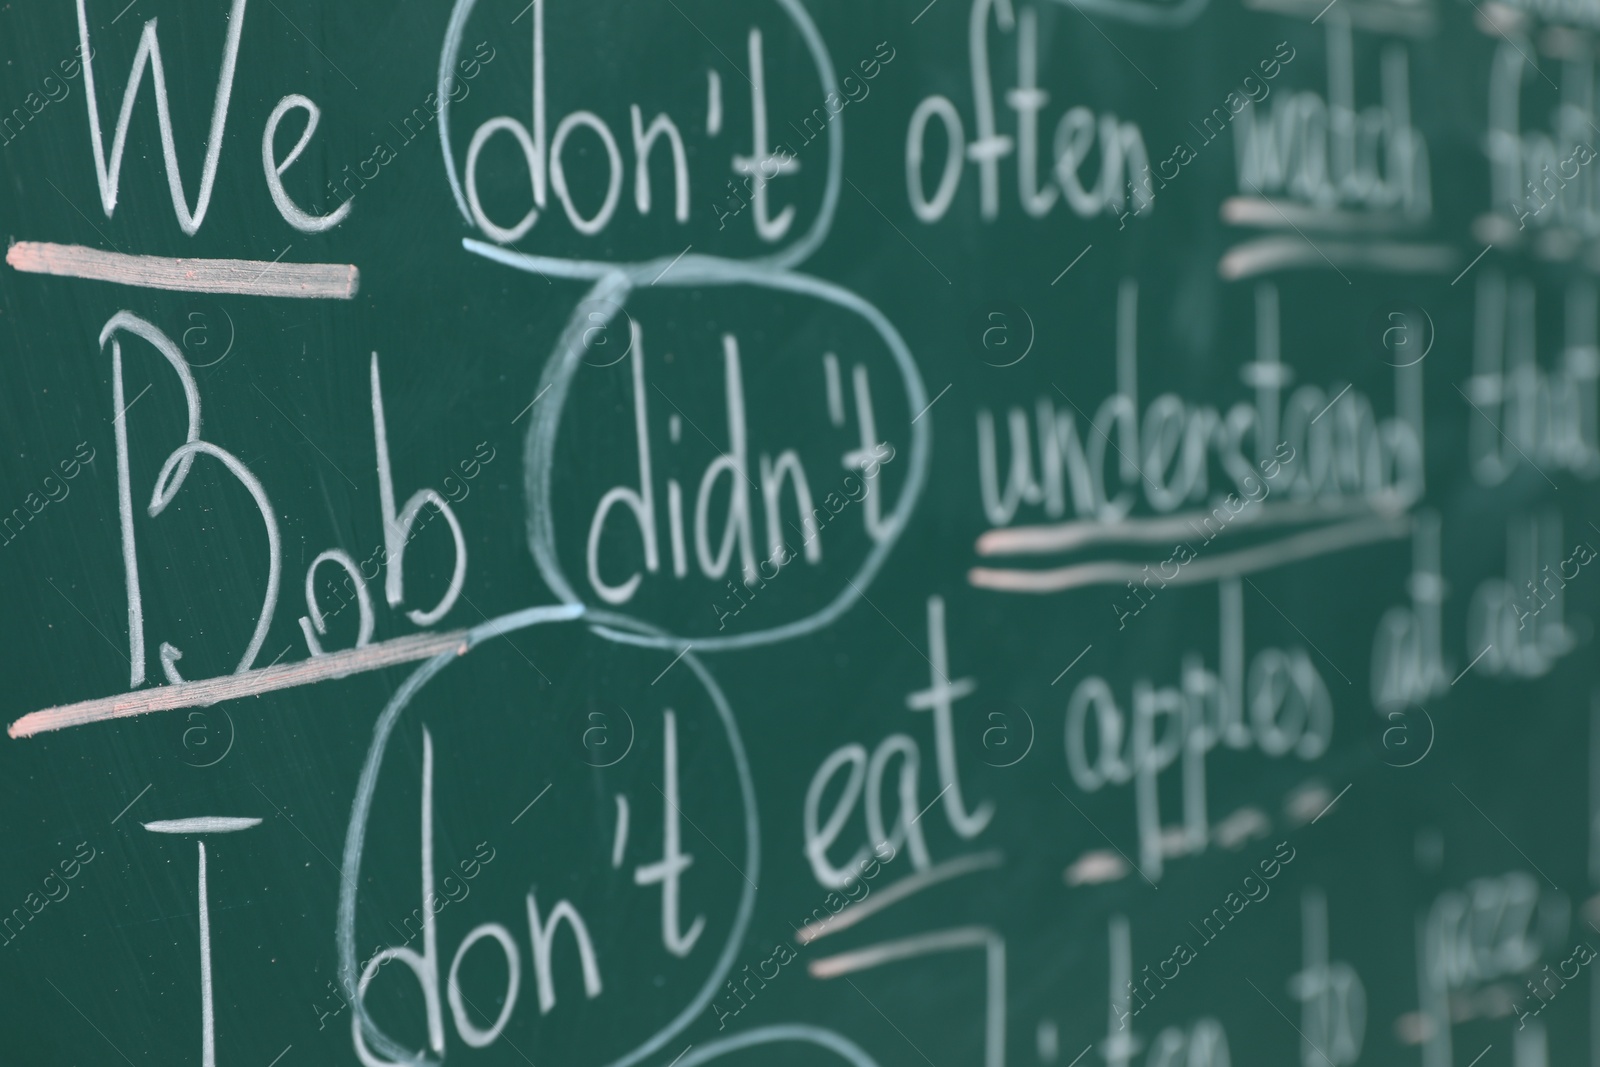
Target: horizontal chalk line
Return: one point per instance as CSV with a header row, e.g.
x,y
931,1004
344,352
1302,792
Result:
x,y
249,277
207,691
906,948
1290,549
1163,529
1267,254
201,824
869,906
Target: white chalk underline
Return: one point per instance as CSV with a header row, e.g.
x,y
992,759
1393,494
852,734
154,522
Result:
x,y
1164,529
908,886
202,824
1291,549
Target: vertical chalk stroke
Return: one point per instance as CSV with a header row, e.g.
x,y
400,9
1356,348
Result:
x,y
129,322
204,824
619,840
713,102
208,1011
397,527
366,788
797,252
245,277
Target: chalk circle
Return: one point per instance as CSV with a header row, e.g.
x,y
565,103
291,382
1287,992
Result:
x,y
367,784
613,290
789,255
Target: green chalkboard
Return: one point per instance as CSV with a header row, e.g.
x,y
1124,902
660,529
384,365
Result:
x,y
982,532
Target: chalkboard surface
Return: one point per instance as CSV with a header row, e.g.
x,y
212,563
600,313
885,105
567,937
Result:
x,y
980,532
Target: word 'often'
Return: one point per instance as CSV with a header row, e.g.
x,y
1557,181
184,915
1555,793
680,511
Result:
x,y
1078,133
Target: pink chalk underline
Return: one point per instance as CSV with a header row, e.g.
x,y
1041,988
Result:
x,y
1291,549
248,277
207,691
